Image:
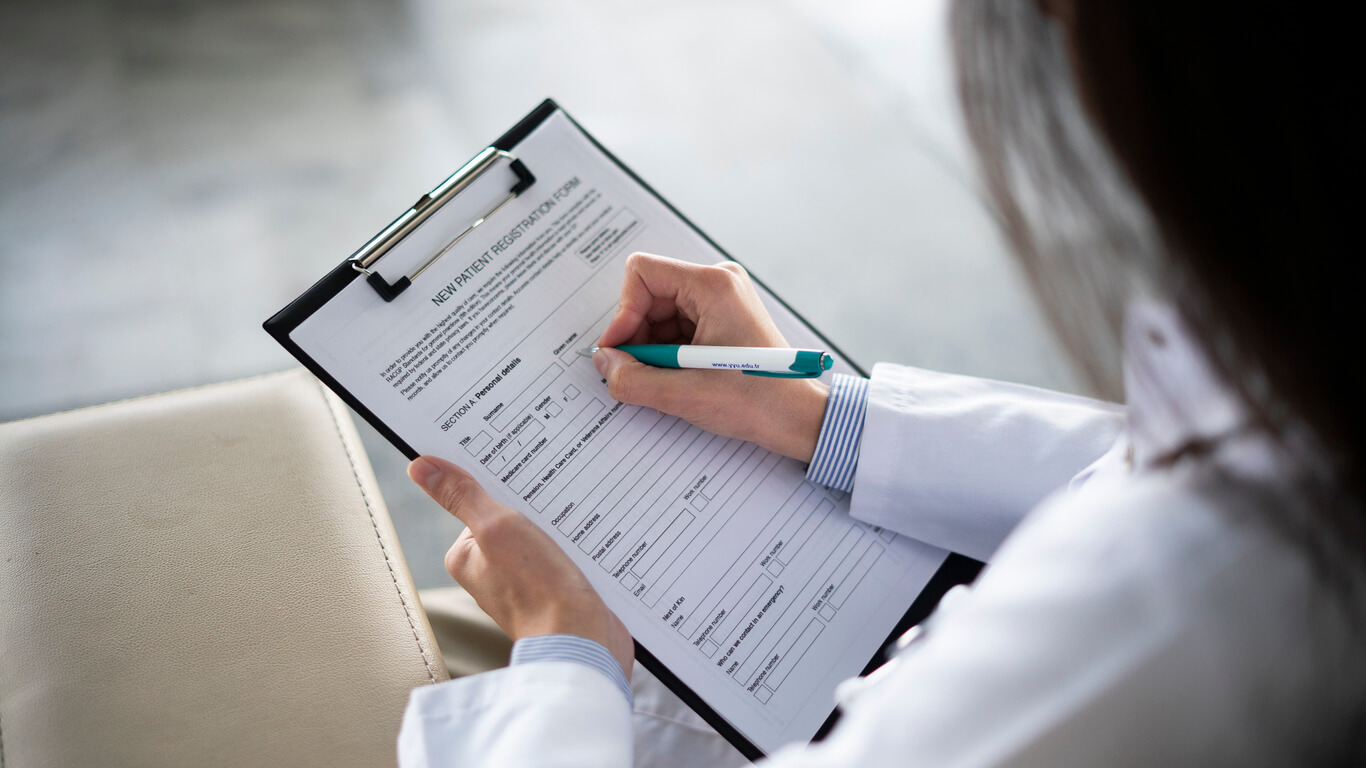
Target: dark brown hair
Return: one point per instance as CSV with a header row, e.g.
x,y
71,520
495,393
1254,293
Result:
x,y
1201,152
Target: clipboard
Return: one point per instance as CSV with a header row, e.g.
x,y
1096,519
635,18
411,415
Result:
x,y
368,264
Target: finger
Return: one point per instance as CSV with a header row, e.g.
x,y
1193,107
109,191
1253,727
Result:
x,y
631,381
642,335
628,325
454,488
665,331
649,291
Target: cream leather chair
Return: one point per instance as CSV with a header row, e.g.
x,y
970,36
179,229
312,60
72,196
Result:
x,y
207,577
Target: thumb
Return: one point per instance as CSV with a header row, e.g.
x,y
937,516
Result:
x,y
453,488
636,383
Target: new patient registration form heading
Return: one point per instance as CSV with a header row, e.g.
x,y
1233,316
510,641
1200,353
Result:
x,y
749,589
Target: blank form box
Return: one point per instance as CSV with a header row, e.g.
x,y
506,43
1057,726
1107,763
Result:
x,y
865,563
518,404
763,694
775,567
699,501
886,535
827,612
571,391
478,443
710,648
554,409
629,581
838,494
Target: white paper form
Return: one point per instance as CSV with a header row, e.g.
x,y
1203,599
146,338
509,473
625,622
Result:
x,y
755,587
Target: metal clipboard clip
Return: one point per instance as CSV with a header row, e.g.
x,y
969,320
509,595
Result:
x,y
427,205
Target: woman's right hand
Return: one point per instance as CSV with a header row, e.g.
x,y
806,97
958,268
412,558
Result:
x,y
666,301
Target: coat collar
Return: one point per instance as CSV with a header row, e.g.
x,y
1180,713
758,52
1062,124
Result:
x,y
1174,395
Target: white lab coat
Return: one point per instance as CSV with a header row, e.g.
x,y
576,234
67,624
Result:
x,y
1135,617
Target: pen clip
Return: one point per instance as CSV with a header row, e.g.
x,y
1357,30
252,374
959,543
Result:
x,y
810,364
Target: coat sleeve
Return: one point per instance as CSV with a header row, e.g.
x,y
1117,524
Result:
x,y
546,714
956,461
1106,632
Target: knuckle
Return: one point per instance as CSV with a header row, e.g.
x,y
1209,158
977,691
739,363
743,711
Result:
x,y
637,260
619,386
727,276
456,559
734,268
456,491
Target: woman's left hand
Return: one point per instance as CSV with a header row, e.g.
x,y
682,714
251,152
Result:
x,y
513,569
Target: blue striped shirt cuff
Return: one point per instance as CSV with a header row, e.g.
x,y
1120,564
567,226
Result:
x,y
575,649
836,455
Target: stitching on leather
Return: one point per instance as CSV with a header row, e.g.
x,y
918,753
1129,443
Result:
x,y
346,448
150,396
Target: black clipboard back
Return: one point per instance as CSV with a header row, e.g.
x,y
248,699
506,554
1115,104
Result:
x,y
956,569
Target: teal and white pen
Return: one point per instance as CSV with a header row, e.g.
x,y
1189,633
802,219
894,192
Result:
x,y
756,361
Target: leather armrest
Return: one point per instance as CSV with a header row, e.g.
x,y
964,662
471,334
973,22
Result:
x,y
205,577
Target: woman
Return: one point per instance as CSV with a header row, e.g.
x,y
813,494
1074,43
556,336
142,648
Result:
x,y
1192,588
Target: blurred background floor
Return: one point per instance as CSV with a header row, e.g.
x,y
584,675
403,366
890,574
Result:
x,y
172,172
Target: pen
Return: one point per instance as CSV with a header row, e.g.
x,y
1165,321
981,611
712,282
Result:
x,y
775,362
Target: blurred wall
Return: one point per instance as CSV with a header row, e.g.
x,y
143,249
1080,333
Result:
x,y
171,173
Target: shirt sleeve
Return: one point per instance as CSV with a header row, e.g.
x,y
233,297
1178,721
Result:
x,y
837,447
574,649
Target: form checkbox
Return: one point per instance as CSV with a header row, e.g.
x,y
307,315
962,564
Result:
x,y
827,612
629,581
478,443
710,647
775,567
554,409
571,391
763,694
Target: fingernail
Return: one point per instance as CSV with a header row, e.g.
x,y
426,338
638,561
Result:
x,y
423,472
602,361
